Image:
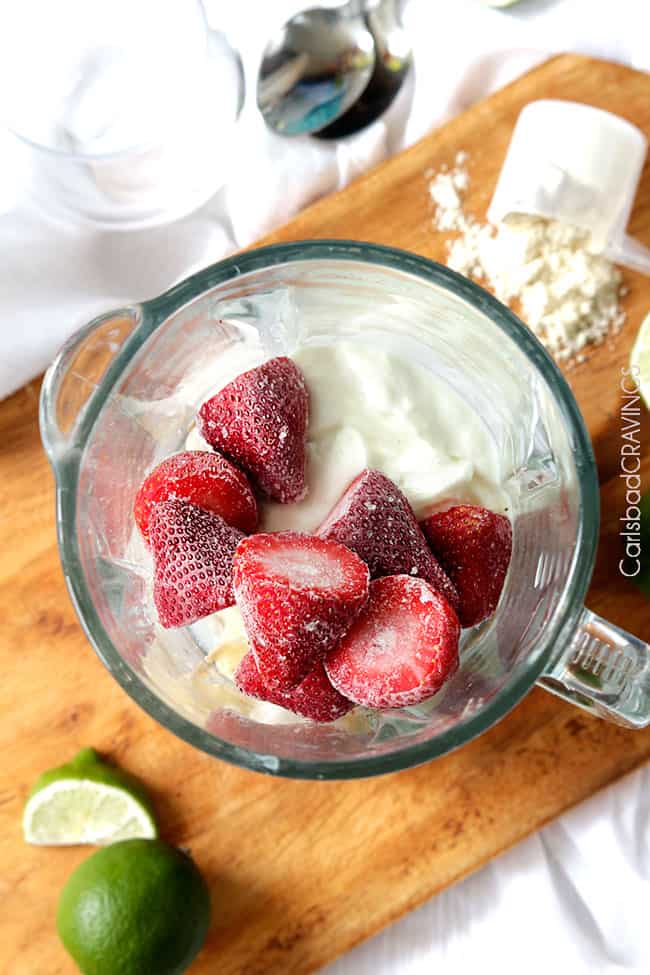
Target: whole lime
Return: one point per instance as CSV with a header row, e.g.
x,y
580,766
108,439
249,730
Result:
x,y
138,907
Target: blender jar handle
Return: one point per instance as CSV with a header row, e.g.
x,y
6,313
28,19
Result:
x,y
71,381
605,671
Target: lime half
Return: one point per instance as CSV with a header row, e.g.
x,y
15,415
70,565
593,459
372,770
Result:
x,y
640,360
87,801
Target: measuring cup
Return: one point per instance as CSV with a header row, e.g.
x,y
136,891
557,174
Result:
x,y
578,164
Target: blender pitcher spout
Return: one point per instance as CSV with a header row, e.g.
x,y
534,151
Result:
x,y
71,382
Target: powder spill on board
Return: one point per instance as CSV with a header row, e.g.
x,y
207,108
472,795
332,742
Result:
x,y
568,296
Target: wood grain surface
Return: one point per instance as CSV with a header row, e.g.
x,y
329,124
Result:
x,y
302,871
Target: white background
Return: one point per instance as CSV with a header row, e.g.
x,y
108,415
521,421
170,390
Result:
x,y
575,897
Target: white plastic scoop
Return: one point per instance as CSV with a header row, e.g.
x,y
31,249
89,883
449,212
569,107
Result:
x,y
578,164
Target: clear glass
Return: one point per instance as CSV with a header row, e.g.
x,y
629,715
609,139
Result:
x,y
122,395
128,110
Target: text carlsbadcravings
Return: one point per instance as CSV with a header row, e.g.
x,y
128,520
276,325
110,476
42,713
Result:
x,y
630,564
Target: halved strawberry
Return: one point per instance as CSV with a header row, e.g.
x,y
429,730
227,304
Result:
x,y
474,546
259,421
298,595
193,554
206,479
314,697
375,520
401,648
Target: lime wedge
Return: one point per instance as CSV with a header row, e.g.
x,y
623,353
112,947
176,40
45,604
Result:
x,y
640,360
87,801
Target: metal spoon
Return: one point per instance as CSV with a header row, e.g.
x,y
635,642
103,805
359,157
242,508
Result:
x,y
315,69
393,61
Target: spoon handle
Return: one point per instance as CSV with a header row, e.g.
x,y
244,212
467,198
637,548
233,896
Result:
x,y
355,8
391,9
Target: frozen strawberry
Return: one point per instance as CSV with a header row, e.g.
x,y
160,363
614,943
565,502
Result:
x,y
474,546
193,554
259,421
401,648
204,478
314,697
375,520
298,595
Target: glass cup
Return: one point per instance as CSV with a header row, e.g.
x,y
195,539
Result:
x,y
122,395
127,110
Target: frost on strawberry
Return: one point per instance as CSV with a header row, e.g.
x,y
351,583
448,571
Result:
x,y
205,479
193,554
401,648
259,421
298,595
474,546
375,520
314,697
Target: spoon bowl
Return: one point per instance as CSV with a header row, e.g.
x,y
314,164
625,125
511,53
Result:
x,y
315,69
393,62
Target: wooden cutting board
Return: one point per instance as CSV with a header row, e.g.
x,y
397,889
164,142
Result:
x,y
302,871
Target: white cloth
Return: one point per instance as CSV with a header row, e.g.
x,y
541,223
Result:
x,y
573,897
54,278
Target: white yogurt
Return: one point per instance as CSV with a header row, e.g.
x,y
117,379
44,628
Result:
x,y
369,409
